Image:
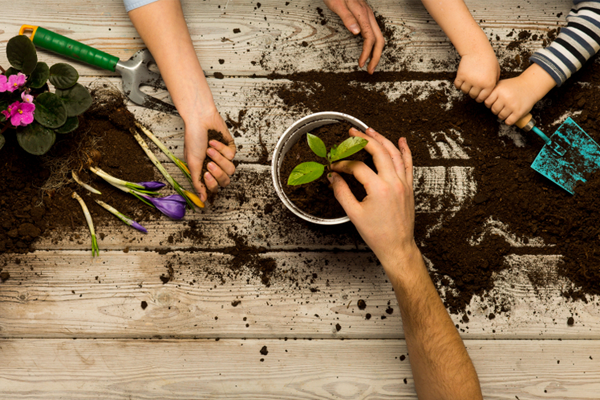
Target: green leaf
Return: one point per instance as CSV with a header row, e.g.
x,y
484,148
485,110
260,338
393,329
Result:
x,y
347,148
77,99
11,71
39,76
3,106
21,54
2,141
316,145
305,172
63,76
69,126
36,139
50,110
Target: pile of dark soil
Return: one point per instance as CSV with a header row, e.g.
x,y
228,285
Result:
x,y
316,198
36,196
508,190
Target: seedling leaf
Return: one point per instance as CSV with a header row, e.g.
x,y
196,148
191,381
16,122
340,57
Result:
x,y
316,145
347,148
21,54
36,139
77,99
305,172
50,110
63,76
39,76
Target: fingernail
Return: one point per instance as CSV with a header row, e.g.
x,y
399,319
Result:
x,y
213,143
370,131
354,29
211,152
211,166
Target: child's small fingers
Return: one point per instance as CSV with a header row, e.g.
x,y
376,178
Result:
x,y
511,119
504,113
221,161
483,95
491,99
227,150
465,87
474,92
458,83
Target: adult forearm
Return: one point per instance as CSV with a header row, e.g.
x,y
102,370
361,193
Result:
x,y
456,21
162,27
441,366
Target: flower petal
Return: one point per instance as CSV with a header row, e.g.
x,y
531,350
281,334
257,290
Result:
x,y
152,185
138,227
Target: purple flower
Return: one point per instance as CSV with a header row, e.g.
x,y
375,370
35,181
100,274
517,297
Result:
x,y
16,82
138,227
3,83
151,185
20,114
27,98
172,206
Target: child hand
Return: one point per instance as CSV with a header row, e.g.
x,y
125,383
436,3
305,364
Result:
x,y
358,17
478,74
514,98
196,149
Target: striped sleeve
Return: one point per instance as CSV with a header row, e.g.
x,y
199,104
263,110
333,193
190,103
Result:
x,y
576,43
133,4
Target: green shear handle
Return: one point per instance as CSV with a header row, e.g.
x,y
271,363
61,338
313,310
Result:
x,y
68,47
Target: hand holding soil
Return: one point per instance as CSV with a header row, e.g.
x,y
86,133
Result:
x,y
385,218
358,17
197,147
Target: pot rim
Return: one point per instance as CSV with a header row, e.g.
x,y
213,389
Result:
x,y
290,134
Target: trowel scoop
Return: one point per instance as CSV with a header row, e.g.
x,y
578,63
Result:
x,y
135,71
569,156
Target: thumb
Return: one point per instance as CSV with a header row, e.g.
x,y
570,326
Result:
x,y
342,193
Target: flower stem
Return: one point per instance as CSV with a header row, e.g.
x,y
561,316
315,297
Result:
x,y
88,218
162,169
84,185
121,216
182,166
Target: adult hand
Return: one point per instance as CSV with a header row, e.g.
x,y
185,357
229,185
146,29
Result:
x,y
478,73
358,17
385,218
196,149
514,98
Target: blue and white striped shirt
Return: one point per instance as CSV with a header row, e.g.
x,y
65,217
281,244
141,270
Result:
x,y
133,4
576,43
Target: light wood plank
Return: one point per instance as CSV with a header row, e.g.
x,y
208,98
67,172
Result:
x,y
271,37
69,294
318,369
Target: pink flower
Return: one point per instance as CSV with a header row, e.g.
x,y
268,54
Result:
x,y
16,82
20,114
3,83
27,98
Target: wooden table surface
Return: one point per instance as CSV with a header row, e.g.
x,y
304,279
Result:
x,y
71,327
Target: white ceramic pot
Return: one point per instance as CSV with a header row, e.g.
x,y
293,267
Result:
x,y
289,138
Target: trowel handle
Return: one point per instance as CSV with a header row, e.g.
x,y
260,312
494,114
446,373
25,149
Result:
x,y
71,48
527,123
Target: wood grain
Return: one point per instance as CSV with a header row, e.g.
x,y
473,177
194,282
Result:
x,y
317,369
69,294
284,38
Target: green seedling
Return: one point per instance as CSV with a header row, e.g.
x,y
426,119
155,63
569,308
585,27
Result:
x,y
310,171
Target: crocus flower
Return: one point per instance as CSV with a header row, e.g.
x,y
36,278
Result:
x,y
3,83
152,185
27,98
20,114
122,217
16,82
172,206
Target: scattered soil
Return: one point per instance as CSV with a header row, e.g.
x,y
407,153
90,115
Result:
x,y
316,198
508,190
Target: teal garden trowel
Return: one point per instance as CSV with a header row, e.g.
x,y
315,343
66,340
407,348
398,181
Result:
x,y
569,156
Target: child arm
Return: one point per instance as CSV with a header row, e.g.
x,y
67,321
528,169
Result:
x,y
552,66
478,71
